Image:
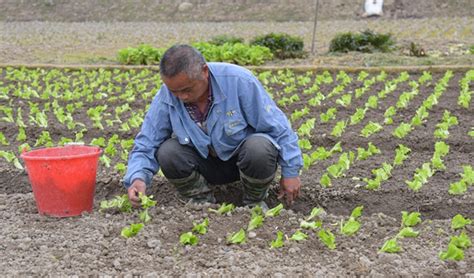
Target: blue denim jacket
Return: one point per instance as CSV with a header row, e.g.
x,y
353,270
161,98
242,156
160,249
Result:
x,y
241,108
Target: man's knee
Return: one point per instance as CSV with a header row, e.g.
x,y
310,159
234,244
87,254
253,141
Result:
x,y
258,157
175,159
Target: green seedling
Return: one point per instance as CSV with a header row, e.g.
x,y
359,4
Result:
x,y
410,219
274,211
132,230
299,236
278,242
327,238
391,246
459,222
188,239
201,228
223,209
237,237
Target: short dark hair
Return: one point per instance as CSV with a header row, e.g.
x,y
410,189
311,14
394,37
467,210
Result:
x,y
182,58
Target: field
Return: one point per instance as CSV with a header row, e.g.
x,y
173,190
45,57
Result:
x,y
390,141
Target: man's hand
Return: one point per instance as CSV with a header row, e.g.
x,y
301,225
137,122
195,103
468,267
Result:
x,y
136,187
290,189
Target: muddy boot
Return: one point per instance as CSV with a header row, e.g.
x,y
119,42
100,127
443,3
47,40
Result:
x,y
194,188
255,191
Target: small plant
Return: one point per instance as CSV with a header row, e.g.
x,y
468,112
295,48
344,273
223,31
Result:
x,y
223,39
415,49
283,46
367,41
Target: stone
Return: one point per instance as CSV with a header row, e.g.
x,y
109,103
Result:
x,y
185,7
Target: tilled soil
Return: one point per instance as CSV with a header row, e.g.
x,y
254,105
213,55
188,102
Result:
x,y
91,245
34,244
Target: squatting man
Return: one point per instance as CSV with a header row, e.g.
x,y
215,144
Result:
x,y
212,124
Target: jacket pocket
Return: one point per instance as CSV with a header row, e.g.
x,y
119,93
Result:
x,y
233,126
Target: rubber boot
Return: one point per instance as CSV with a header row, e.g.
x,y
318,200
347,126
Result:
x,y
194,188
255,191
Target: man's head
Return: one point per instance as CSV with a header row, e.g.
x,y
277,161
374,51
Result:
x,y
185,73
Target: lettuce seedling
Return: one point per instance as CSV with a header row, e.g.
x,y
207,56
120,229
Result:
x,y
132,230
358,116
351,226
391,246
407,232
327,238
223,208
311,225
370,129
237,237
314,213
459,222
401,154
274,211
188,239
201,228
457,188
299,236
410,219
255,222
119,202
468,175
278,242
402,130
453,253
339,128
462,241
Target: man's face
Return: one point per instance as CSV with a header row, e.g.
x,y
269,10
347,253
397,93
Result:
x,y
187,89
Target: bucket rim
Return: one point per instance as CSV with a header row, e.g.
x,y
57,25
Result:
x,y
26,156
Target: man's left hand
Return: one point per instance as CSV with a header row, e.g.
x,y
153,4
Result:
x,y
290,189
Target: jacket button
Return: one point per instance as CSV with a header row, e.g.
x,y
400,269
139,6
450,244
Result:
x,y
186,139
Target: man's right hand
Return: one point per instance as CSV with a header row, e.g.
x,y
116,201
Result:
x,y
136,187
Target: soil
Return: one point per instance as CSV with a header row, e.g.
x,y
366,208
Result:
x,y
90,244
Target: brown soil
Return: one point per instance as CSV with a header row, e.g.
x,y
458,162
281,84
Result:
x,y
39,245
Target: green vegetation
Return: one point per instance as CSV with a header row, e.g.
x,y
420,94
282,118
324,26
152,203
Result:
x,y
367,41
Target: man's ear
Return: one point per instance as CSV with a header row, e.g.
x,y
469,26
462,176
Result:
x,y
205,71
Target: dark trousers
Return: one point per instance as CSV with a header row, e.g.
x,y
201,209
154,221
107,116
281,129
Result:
x,y
256,158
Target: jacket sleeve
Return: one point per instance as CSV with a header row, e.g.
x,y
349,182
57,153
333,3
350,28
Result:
x,y
156,128
265,117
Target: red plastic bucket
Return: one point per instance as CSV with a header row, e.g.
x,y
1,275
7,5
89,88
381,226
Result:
x,y
63,178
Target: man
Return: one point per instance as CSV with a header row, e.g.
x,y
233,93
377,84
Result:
x,y
213,123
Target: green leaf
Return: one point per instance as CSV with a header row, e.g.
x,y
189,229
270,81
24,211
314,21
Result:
x,y
144,216
468,175
132,230
391,246
462,241
453,253
314,213
299,236
188,239
410,219
255,222
459,222
201,228
223,208
311,225
237,237
408,232
325,180
274,211
119,202
357,212
457,188
146,201
327,238
401,154
350,227
278,242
